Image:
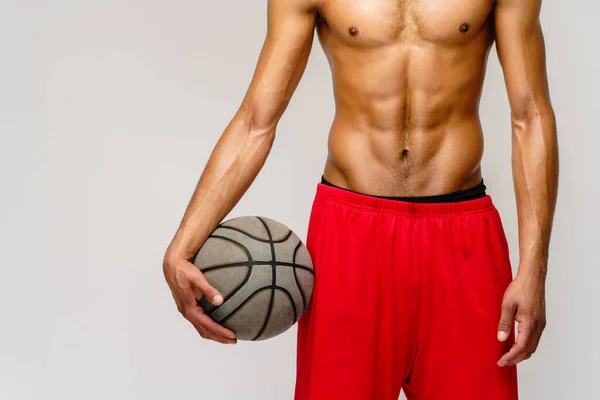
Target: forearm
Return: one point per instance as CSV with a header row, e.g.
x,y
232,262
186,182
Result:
x,y
535,174
233,165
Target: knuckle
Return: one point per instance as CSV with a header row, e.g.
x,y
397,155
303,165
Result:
x,y
187,312
534,326
203,332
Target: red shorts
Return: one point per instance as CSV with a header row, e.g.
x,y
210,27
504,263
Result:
x,y
407,296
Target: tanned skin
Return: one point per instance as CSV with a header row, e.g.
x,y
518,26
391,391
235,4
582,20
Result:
x,y
407,77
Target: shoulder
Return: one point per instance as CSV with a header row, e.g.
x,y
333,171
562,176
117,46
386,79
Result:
x,y
300,5
522,4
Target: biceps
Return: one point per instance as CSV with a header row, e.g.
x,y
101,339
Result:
x,y
521,51
280,67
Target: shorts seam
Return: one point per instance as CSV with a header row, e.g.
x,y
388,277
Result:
x,y
372,210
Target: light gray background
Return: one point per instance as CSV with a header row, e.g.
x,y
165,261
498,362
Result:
x,y
108,112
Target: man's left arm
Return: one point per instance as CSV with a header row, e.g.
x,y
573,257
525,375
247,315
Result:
x,y
521,51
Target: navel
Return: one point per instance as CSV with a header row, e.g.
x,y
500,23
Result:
x,y
404,153
464,28
353,30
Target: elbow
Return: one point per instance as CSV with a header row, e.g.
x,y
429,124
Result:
x,y
260,122
531,113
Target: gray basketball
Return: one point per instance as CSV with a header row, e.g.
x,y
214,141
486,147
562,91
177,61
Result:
x,y
264,272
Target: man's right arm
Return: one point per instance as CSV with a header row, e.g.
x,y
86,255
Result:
x,y
239,155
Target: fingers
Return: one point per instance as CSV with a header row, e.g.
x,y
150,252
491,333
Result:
x,y
507,320
210,293
188,285
521,349
524,302
536,335
207,327
216,338
215,327
535,341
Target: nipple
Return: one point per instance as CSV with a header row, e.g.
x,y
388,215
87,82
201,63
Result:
x,y
353,30
464,27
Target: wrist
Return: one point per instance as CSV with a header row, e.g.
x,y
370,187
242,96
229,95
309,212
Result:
x,y
533,269
176,252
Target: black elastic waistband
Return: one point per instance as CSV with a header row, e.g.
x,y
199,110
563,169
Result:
x,y
471,193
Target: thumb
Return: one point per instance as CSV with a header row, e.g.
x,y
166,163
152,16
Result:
x,y
208,291
506,321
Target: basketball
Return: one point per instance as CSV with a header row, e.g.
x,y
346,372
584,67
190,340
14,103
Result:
x,y
264,272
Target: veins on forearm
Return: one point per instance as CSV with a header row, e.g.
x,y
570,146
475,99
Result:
x,y
535,169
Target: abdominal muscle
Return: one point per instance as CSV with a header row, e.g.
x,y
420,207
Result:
x,y
406,120
439,161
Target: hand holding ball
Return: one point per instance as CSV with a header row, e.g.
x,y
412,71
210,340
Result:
x,y
264,272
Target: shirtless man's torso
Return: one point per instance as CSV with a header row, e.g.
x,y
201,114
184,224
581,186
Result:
x,y
407,78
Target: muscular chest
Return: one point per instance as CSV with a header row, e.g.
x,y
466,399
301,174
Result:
x,y
381,22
